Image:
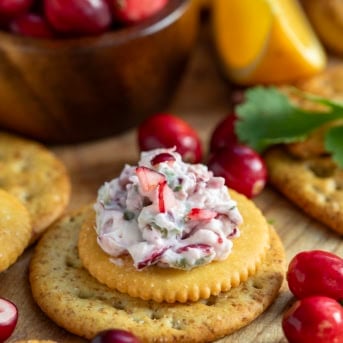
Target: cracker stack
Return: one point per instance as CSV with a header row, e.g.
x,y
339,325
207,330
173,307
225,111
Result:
x,y
157,305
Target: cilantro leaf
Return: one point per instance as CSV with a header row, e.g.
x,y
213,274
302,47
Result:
x,y
268,117
334,143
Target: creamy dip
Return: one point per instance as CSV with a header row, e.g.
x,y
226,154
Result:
x,y
166,212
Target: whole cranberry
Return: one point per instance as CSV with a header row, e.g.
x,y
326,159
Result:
x,y
224,134
115,336
242,168
316,272
13,8
78,17
32,25
166,131
134,11
315,319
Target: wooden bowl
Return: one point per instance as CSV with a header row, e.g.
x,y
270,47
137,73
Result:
x,y
65,91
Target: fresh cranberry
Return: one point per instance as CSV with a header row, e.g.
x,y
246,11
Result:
x,y
78,17
224,133
115,336
163,157
242,168
316,272
13,8
315,319
8,318
166,131
33,25
133,11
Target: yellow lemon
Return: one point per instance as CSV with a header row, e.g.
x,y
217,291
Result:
x,y
265,41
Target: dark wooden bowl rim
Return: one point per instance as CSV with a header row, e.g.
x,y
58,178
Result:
x,y
168,15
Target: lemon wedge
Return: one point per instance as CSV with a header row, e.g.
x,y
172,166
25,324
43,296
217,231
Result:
x,y
265,41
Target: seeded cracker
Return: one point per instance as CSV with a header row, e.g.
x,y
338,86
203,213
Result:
x,y
303,171
169,284
36,177
15,229
71,297
314,184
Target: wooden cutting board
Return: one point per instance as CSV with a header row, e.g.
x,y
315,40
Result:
x,y
203,99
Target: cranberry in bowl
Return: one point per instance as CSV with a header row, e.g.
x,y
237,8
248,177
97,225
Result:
x,y
70,85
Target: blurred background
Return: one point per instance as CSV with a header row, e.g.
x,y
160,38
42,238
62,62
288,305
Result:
x,y
71,71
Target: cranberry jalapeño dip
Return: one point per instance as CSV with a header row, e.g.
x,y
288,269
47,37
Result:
x,y
166,212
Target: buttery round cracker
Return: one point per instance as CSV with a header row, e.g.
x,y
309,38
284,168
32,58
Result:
x,y
15,229
169,284
36,177
313,184
76,301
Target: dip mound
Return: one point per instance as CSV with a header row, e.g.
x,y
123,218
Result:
x,y
166,212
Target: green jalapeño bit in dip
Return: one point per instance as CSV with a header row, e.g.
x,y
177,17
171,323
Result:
x,y
166,212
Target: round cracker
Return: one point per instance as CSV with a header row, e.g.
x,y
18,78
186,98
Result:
x,y
314,184
15,229
34,175
168,284
76,301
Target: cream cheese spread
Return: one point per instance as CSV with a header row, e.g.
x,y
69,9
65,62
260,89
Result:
x,y
166,212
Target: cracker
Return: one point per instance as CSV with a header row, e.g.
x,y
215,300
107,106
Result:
x,y
168,284
329,84
76,301
35,341
314,184
15,229
36,177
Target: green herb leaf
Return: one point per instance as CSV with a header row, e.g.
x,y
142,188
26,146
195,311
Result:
x,y
334,143
268,117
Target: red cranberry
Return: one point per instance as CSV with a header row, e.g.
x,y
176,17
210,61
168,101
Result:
x,y
314,319
224,133
78,17
115,336
167,131
316,272
33,25
8,318
163,157
133,11
242,168
13,8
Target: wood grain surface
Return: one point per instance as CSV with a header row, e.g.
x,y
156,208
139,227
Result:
x,y
203,99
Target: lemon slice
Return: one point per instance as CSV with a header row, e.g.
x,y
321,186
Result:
x,y
265,41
